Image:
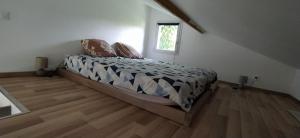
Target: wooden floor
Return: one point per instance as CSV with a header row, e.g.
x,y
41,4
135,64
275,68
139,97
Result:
x,y
61,108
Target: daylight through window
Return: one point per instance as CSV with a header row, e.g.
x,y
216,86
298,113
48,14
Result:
x,y
167,36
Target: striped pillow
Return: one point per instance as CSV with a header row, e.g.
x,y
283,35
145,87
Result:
x,y
97,48
124,50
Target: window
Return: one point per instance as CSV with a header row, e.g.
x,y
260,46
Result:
x,y
168,37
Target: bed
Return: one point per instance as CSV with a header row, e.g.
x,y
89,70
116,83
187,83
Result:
x,y
159,87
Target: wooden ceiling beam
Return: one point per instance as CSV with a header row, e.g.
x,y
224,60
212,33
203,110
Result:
x,y
179,13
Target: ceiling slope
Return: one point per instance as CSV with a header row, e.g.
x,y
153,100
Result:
x,y
179,13
269,27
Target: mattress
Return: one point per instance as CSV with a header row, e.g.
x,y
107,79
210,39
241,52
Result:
x,y
182,85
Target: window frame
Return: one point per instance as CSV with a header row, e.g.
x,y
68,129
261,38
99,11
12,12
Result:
x,y
178,40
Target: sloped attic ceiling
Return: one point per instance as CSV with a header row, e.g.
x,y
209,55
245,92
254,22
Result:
x,y
269,27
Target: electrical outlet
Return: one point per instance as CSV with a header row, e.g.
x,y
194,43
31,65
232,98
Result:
x,y
256,78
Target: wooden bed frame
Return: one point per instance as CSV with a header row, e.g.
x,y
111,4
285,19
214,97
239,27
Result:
x,y
158,107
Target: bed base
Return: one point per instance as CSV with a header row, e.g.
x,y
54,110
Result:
x,y
170,112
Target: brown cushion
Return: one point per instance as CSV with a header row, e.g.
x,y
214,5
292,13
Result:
x,y
96,47
124,50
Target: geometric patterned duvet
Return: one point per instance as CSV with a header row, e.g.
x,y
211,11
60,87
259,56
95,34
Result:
x,y
182,85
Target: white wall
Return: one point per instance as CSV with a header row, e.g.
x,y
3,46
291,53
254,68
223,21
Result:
x,y
269,27
296,86
228,59
53,28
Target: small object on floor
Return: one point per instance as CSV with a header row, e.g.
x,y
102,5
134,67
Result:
x,y
46,73
295,114
51,73
243,80
235,87
41,64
